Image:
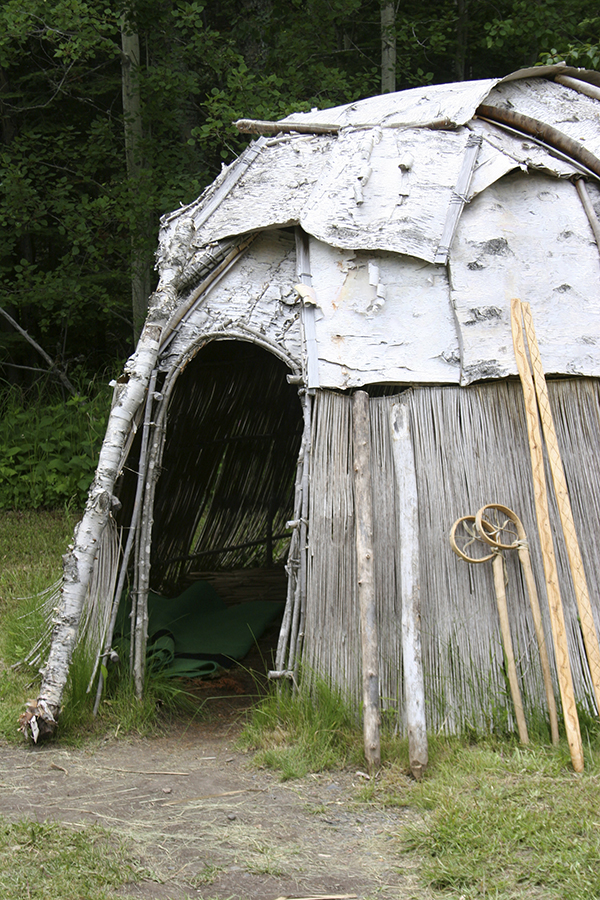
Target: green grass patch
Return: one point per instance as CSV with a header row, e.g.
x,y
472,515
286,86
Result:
x,y
494,819
503,821
31,546
300,732
51,860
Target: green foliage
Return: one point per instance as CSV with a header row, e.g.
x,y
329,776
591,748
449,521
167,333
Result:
x,y
49,452
535,31
50,860
72,217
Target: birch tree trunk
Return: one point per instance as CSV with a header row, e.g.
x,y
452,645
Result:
x,y
141,258
388,47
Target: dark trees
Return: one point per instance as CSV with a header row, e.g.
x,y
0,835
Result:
x,y
79,204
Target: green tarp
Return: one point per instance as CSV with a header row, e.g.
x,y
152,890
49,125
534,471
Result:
x,y
195,633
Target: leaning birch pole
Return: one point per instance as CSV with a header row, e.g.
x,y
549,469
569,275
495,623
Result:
x,y
412,661
40,717
363,503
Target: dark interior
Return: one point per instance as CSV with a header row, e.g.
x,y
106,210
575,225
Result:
x,y
226,489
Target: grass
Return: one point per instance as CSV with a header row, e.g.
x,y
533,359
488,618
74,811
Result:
x,y
494,819
490,819
301,733
50,860
31,546
503,821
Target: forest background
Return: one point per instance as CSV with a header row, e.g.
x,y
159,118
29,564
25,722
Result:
x,y
114,113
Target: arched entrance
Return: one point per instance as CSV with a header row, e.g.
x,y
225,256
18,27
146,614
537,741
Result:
x,y
224,495
226,487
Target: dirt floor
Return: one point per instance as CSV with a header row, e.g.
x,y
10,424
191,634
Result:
x,y
206,822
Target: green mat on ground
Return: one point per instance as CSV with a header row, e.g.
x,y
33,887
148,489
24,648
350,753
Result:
x,y
195,633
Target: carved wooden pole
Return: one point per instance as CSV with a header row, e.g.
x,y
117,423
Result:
x,y
363,504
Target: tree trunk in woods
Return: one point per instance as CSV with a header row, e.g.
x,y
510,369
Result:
x,y
462,35
141,258
388,47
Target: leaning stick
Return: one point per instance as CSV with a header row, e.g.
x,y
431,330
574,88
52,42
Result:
x,y
500,590
557,621
582,596
511,668
522,546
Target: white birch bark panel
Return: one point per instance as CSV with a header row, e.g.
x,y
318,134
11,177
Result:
x,y
527,237
417,106
256,297
382,318
387,190
502,151
554,104
273,190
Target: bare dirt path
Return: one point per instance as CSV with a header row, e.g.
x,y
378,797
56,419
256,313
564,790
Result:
x,y
206,823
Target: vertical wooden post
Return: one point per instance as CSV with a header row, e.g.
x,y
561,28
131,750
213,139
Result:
x,y
511,666
406,484
363,504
